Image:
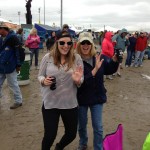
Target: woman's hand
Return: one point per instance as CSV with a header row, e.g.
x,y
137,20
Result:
x,y
98,64
77,75
47,81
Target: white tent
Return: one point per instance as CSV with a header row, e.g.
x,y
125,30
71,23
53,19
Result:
x,y
9,24
72,27
108,28
4,20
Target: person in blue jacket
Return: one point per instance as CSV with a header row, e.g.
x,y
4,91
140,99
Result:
x,y
92,93
10,63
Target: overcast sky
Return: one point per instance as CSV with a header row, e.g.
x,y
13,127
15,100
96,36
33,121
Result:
x,y
131,14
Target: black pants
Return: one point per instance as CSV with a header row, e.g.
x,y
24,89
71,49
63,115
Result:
x,y
51,120
34,51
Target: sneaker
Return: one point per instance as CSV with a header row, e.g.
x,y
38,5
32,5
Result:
x,y
136,66
15,105
132,65
126,66
140,65
110,78
118,74
83,147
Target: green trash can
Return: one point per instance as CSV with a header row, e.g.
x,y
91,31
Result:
x,y
23,75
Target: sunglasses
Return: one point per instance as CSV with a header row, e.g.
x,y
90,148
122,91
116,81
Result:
x,y
85,42
63,43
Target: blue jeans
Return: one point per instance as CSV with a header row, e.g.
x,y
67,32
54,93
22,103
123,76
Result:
x,y
147,52
96,116
139,57
13,85
34,51
129,57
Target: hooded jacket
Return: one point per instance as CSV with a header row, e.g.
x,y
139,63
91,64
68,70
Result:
x,y
9,53
121,42
107,46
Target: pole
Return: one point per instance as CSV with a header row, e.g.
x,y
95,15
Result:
x,y
44,12
0,13
39,15
19,16
61,17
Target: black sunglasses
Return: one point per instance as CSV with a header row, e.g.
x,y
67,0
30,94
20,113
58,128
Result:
x,y
63,43
85,42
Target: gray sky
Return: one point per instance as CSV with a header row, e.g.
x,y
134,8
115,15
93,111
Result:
x,y
131,14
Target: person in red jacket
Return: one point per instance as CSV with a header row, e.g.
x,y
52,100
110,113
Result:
x,y
140,47
108,48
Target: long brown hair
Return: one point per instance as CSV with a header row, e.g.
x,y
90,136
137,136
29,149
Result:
x,y
69,60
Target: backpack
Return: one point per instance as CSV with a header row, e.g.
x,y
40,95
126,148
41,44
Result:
x,y
14,41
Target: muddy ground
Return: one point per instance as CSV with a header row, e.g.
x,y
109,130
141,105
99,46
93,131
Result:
x,y
128,103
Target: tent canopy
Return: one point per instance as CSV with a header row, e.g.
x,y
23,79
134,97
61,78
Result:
x,y
108,28
45,28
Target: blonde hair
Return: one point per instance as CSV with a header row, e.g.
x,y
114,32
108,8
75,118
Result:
x,y
70,57
33,31
92,51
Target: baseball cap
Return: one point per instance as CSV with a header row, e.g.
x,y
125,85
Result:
x,y
62,34
85,36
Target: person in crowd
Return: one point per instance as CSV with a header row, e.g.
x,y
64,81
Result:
x,y
51,40
92,93
101,37
20,35
140,47
131,49
46,36
147,51
65,27
60,74
33,42
121,42
108,48
10,63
